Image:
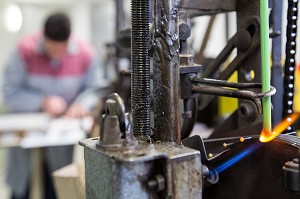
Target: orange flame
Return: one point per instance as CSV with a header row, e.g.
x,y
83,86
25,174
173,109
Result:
x,y
266,136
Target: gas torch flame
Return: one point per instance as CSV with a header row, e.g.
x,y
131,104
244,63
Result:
x,y
267,136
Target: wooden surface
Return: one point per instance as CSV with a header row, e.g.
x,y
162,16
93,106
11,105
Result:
x,y
69,182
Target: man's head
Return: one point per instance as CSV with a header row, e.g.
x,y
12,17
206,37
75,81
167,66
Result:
x,y
57,30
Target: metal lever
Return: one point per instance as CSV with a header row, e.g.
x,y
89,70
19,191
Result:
x,y
216,88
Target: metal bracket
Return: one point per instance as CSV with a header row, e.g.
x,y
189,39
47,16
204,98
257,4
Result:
x,y
216,88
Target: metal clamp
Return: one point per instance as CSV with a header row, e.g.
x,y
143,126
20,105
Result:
x,y
215,87
115,125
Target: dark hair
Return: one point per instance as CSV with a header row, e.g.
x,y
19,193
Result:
x,y
57,27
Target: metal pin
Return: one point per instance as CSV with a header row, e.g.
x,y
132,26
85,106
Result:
x,y
227,144
242,139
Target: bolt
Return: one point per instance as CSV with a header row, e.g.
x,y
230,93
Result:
x,y
157,183
186,59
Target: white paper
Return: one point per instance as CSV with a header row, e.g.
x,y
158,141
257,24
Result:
x,y
62,131
43,131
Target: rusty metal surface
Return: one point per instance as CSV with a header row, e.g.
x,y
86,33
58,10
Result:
x,y
186,178
166,69
107,178
125,173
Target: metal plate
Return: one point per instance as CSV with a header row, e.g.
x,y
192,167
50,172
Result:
x,y
258,175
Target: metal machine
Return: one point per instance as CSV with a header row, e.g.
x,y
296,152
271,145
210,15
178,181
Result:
x,y
148,152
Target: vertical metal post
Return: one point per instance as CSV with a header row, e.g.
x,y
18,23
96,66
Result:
x,y
120,21
166,69
277,72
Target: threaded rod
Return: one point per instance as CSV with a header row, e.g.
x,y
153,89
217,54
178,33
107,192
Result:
x,y
140,66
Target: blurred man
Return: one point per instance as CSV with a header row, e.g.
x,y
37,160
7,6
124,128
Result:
x,y
54,72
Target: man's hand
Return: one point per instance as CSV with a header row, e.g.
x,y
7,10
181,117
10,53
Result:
x,y
54,105
77,111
